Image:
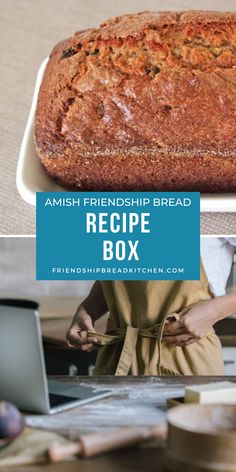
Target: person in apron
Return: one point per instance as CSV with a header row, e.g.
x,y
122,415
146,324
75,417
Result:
x,y
152,327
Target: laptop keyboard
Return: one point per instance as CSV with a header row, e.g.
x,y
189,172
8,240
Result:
x,y
57,400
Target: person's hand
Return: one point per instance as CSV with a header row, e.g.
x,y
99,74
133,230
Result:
x,y
195,322
77,332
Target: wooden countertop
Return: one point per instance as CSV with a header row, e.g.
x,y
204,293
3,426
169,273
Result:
x,y
134,401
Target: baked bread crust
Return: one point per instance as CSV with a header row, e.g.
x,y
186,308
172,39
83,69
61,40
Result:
x,y
145,102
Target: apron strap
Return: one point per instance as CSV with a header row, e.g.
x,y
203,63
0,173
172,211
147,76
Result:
x,y
106,339
128,351
160,336
129,336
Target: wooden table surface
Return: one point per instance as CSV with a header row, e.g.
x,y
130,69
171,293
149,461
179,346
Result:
x,y
134,401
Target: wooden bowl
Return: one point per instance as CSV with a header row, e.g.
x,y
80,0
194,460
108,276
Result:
x,y
201,438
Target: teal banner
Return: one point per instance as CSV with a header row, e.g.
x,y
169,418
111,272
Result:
x,y
118,235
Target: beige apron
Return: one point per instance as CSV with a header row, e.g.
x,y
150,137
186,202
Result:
x,y
138,311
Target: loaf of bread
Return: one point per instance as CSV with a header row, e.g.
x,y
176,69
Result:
x,y
145,102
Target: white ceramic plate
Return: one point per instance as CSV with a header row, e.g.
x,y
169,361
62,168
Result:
x,y
31,176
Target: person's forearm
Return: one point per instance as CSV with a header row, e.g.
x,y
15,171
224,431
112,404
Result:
x,y
94,304
224,306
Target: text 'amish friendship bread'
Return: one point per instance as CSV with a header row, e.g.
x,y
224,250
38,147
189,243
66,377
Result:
x,y
145,102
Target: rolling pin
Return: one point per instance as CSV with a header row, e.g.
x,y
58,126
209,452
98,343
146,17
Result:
x,y
91,444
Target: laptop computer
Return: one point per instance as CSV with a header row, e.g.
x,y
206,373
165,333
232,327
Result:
x,y
23,379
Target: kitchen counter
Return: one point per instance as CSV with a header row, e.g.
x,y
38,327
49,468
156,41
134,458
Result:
x,y
134,401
